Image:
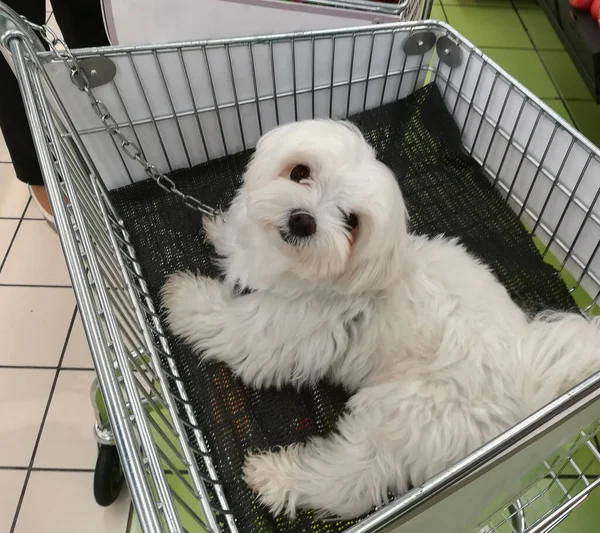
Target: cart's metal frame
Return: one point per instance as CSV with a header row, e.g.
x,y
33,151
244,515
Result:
x,y
404,9
166,461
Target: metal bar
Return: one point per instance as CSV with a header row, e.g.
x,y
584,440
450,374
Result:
x,y
172,105
274,79
214,97
350,75
387,68
193,100
149,108
235,97
255,85
364,106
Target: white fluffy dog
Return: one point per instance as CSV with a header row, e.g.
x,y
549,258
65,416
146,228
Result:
x,y
438,358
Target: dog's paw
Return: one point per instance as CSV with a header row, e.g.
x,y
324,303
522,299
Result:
x,y
188,300
267,474
213,228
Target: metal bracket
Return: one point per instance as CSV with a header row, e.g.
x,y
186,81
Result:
x,y
449,52
98,70
419,43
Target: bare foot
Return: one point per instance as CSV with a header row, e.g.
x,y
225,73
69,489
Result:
x,y
42,197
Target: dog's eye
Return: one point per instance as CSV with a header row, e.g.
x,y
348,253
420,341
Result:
x,y
299,173
351,221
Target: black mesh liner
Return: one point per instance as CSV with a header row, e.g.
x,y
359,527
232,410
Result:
x,y
445,191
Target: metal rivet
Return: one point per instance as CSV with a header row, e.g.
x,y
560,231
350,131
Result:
x,y
94,72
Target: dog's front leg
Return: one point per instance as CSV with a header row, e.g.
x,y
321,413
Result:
x,y
257,336
344,475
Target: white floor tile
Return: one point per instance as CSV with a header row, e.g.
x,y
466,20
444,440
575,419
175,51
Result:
x,y
34,323
23,398
7,230
33,213
77,354
63,502
4,155
67,439
11,484
13,193
36,257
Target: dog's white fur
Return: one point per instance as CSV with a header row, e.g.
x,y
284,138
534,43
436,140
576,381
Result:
x,y
438,358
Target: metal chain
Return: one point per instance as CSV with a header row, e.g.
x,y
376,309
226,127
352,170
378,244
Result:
x,y
61,51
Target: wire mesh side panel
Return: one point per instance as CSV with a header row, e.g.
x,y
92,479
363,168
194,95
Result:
x,y
546,170
189,104
178,489
568,475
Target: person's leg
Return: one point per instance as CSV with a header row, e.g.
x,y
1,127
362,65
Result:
x,y
13,120
81,25
81,22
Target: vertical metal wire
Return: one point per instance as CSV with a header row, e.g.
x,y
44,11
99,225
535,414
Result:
x,y
570,200
509,142
524,154
498,124
149,108
172,105
274,78
351,75
538,169
312,77
462,81
586,217
332,77
387,67
588,264
401,79
214,98
193,101
364,106
418,72
235,96
255,86
294,83
553,185
483,114
472,102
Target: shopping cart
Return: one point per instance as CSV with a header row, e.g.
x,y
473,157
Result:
x,y
105,118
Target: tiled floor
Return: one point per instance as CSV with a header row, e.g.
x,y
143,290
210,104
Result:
x,y
47,451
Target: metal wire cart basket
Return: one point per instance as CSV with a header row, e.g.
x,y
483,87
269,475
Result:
x,y
105,118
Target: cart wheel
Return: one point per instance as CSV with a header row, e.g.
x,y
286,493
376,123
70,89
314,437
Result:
x,y
108,476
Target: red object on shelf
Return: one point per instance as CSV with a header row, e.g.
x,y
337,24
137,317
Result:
x,y
581,4
595,11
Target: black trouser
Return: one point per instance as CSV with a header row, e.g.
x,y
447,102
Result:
x,y
81,24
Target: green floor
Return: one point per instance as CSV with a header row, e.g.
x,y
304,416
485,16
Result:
x,y
518,36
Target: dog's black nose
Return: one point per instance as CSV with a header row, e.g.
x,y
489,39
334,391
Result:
x,y
302,224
